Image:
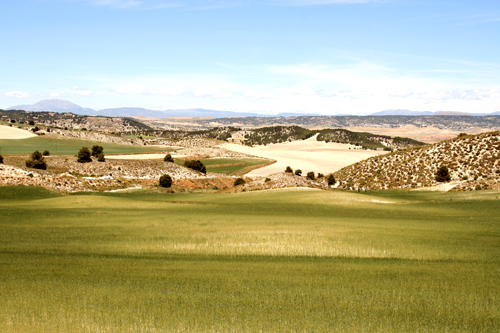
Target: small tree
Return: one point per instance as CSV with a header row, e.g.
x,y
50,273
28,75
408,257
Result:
x,y
330,179
1,159
196,165
32,123
100,158
320,175
443,174
96,150
36,161
46,153
298,172
310,175
165,181
84,155
239,181
168,158
288,170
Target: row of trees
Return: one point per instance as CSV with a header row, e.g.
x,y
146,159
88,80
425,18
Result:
x,y
310,175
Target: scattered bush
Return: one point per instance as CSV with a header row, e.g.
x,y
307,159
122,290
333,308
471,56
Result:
x,y
36,161
35,129
443,174
330,179
168,158
100,158
310,175
165,181
84,155
298,172
320,175
288,170
267,180
1,159
32,123
239,181
196,165
46,153
96,150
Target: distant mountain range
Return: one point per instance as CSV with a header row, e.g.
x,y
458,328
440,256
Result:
x,y
400,112
57,105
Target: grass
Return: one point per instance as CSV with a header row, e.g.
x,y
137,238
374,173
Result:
x,y
66,146
283,260
229,166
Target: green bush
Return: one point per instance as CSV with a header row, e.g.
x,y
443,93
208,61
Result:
x,y
100,158
46,153
288,170
443,174
298,172
168,158
331,179
310,175
96,150
84,155
36,161
239,181
196,165
1,159
165,181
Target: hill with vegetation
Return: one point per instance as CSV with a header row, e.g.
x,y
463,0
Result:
x,y
72,121
473,162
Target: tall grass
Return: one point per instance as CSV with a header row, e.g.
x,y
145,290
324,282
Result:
x,y
283,261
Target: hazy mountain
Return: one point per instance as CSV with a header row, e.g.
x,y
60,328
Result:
x,y
401,112
56,105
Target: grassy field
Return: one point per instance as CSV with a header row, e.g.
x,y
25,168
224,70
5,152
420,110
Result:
x,y
270,261
66,146
229,166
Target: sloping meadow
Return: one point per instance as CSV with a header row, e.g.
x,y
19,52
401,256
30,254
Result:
x,y
281,260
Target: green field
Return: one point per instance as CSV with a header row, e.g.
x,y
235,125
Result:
x,y
66,146
227,166
268,261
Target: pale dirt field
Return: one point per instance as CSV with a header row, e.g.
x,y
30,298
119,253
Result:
x,y
136,157
307,155
427,134
7,132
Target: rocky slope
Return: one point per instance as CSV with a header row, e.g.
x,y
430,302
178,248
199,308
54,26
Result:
x,y
473,162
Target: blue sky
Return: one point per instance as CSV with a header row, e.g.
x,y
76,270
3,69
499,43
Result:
x,y
265,56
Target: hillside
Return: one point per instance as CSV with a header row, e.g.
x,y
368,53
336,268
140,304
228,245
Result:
x,y
473,162
278,134
73,121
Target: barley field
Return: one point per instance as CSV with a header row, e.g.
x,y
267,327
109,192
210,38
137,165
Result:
x,y
296,260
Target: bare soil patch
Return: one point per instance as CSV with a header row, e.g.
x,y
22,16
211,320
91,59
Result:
x,y
7,132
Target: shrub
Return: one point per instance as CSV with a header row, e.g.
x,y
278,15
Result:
x,y
168,158
288,170
46,153
320,175
35,129
298,172
36,161
84,155
310,175
32,123
100,158
96,150
196,165
267,180
239,181
331,179
443,174
1,159
165,181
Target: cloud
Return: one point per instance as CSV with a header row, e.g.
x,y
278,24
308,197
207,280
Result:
x,y
213,92
258,95
18,94
82,91
457,94
148,90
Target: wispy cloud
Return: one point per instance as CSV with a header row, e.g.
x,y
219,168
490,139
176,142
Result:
x,y
214,4
18,94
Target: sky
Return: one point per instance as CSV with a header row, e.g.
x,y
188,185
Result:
x,y
265,56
